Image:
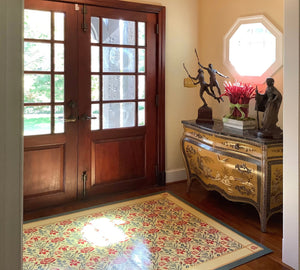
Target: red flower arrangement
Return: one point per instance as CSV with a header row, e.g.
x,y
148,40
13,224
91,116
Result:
x,y
239,96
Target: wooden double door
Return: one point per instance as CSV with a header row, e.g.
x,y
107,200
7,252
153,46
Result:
x,y
91,116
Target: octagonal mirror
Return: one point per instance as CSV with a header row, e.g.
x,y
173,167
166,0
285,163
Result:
x,y
253,49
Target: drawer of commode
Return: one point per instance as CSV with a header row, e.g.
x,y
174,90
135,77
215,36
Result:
x,y
199,136
238,146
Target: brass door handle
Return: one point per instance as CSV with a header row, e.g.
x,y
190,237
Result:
x,y
86,117
70,120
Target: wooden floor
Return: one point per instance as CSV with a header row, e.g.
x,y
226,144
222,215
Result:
x,y
242,217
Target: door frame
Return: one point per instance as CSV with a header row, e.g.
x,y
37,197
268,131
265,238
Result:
x,y
118,4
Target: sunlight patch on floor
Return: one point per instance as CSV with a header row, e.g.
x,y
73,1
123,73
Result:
x,y
103,232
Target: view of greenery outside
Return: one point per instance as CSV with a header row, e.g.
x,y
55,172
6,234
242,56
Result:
x,y
37,83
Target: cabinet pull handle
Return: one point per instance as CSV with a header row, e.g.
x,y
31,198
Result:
x,y
243,168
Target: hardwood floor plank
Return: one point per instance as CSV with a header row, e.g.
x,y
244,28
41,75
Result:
x,y
240,216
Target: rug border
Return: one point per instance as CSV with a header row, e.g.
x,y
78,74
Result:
x,y
265,250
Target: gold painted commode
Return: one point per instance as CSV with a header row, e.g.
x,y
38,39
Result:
x,y
237,164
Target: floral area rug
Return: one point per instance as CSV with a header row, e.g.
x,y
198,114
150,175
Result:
x,y
159,231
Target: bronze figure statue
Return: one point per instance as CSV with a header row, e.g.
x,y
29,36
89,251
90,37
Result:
x,y
212,77
205,112
199,79
269,103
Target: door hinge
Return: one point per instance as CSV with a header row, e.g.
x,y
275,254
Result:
x,y
157,29
84,25
156,100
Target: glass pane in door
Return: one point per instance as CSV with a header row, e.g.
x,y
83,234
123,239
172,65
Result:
x,y
118,115
118,87
59,30
37,56
141,34
95,29
59,88
95,87
37,120
142,59
118,32
59,119
37,88
59,57
95,58
95,124
118,59
37,24
141,114
141,86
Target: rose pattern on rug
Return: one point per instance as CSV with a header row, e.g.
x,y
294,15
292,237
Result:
x,y
150,234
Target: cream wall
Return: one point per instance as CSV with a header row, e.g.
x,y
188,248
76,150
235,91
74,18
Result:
x,y
215,19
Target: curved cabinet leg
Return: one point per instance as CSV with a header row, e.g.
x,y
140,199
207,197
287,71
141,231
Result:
x,y
263,223
189,182
186,163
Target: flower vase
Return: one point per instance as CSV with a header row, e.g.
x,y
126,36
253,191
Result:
x,y
239,96
239,111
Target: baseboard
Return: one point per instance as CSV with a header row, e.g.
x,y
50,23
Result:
x,y
288,257
175,175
